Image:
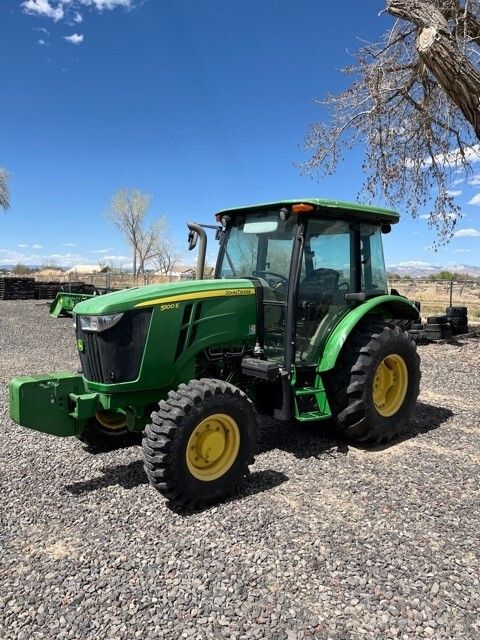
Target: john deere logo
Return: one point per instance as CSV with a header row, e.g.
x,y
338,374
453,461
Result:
x,y
80,345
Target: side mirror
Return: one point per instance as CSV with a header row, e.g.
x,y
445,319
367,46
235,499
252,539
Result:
x,y
221,235
192,240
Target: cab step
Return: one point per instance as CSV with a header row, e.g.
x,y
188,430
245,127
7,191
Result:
x,y
311,403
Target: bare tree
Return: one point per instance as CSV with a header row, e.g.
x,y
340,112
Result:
x,y
150,244
4,192
166,253
414,105
127,212
149,241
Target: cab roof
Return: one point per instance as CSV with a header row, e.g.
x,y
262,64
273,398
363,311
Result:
x,y
329,208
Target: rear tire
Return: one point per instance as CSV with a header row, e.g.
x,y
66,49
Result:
x,y
376,359
199,445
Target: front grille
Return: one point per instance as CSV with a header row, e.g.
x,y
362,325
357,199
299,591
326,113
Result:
x,y
114,355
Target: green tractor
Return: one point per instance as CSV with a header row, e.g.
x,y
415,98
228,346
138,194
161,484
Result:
x,y
297,324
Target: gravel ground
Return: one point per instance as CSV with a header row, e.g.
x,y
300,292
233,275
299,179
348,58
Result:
x,y
327,541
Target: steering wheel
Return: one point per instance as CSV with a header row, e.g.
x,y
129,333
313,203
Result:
x,y
261,272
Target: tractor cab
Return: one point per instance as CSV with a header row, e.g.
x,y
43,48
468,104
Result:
x,y
311,262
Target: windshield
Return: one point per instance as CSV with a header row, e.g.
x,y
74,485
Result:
x,y
260,245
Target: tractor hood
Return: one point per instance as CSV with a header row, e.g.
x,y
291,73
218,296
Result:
x,y
165,293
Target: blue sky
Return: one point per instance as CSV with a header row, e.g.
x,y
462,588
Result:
x,y
202,104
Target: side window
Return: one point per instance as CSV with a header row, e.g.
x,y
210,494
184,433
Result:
x,y
374,276
327,256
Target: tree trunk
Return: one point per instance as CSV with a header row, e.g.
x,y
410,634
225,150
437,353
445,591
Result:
x,y
437,49
459,79
134,265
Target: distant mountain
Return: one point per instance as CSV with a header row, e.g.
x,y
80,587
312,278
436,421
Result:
x,y
419,269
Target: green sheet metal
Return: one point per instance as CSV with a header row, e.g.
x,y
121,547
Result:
x,y
156,295
387,306
329,207
65,302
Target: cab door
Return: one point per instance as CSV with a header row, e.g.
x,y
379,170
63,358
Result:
x,y
329,272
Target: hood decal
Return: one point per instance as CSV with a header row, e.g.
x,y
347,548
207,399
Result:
x,y
198,295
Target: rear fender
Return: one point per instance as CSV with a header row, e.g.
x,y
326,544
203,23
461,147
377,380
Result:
x,y
386,306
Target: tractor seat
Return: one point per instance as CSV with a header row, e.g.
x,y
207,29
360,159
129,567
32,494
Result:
x,y
319,285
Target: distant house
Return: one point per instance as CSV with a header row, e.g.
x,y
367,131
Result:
x,y
85,268
186,272
183,272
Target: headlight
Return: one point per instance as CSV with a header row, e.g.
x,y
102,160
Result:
x,y
99,323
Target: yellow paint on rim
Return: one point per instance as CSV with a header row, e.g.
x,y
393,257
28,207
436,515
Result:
x,y
218,293
213,447
111,420
390,385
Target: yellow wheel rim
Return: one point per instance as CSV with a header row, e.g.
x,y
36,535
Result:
x,y
390,385
213,447
111,420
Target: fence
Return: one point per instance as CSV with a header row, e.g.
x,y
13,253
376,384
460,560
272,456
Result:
x,y
435,296
116,280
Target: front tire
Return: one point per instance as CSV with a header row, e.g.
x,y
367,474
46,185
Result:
x,y
199,445
375,384
108,431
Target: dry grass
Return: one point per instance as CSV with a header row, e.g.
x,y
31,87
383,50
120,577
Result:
x,y
435,296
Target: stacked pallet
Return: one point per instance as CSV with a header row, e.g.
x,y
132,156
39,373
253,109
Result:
x,y
47,290
79,287
12,288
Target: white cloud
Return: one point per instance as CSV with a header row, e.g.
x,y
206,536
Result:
x,y
427,216
44,8
467,233
37,246
454,158
120,260
454,192
462,251
100,251
42,42
474,181
13,256
68,244
108,4
451,159
75,38
62,259
475,200
70,10
458,181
